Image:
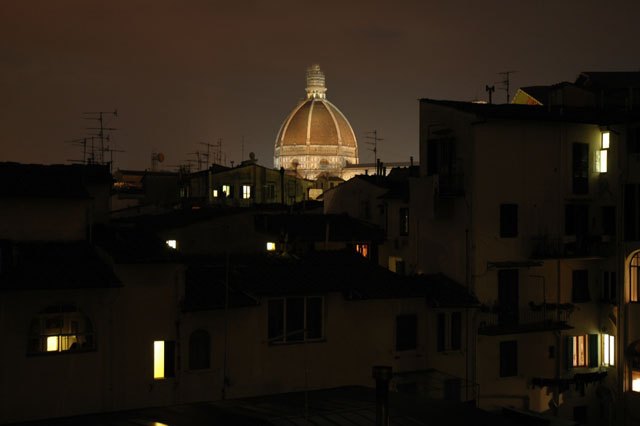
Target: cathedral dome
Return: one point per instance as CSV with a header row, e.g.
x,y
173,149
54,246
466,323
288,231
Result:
x,y
315,137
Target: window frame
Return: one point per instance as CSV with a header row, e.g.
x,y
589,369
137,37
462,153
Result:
x,y
66,319
403,221
505,349
634,278
246,192
282,338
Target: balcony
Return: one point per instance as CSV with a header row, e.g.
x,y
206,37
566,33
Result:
x,y
572,246
498,320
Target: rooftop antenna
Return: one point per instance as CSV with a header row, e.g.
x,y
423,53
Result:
x,y
111,151
505,81
373,141
490,90
197,160
100,117
208,153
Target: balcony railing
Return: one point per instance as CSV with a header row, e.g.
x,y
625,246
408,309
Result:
x,y
530,318
544,247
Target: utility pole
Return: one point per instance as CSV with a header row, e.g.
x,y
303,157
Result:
x,y
373,141
505,81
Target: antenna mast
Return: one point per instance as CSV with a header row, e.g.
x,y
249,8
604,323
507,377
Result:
x,y
505,81
373,141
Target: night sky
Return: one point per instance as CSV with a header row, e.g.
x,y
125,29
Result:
x,y
181,72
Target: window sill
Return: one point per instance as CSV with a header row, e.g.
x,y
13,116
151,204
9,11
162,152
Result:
x,y
55,353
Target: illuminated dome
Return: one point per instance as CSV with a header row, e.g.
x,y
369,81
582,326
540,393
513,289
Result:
x,y
315,137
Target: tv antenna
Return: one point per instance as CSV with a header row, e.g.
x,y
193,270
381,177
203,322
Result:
x,y
100,116
505,81
373,141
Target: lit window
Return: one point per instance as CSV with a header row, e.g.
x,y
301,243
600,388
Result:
x,y
601,161
172,243
60,328
246,192
226,190
295,319
583,350
271,246
158,359
635,380
52,344
608,350
215,193
363,249
605,140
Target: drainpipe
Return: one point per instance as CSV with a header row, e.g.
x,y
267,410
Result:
x,y
382,375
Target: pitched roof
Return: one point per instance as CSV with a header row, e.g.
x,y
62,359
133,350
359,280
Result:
x,y
254,277
53,265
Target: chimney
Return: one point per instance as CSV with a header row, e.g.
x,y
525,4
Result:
x,y
382,375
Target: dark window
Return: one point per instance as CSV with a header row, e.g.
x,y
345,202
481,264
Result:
x,y
609,220
400,267
441,336
199,348
295,319
456,330
406,332
576,219
508,296
593,350
580,168
271,191
508,220
580,286
609,283
314,317
630,219
404,221
452,389
508,358
433,157
276,320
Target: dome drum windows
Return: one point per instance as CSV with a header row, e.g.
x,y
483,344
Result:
x,y
60,328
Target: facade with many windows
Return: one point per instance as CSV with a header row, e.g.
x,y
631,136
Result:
x,y
535,209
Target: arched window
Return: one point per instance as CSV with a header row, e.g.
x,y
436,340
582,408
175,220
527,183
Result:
x,y
60,328
199,350
634,277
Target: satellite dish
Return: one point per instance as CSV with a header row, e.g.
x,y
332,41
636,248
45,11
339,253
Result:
x,y
160,157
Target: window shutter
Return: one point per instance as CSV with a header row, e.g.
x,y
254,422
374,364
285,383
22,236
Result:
x,y
169,358
593,350
570,352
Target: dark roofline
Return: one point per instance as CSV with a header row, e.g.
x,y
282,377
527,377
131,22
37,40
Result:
x,y
537,113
